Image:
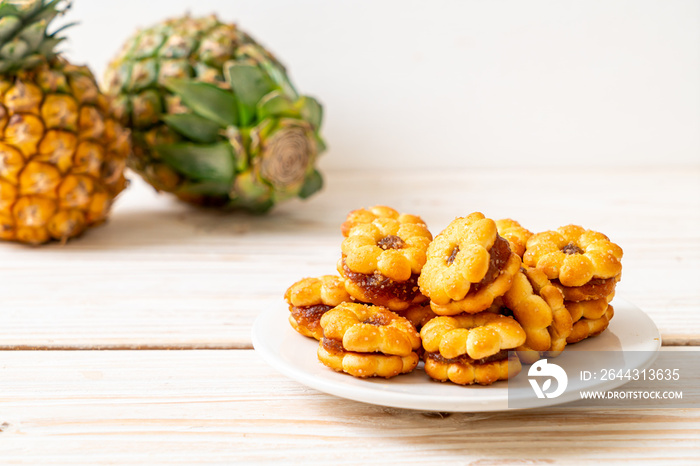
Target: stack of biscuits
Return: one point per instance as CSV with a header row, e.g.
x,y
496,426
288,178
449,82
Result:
x,y
585,266
473,303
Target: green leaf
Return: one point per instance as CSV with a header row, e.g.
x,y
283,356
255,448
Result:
x,y
206,100
8,9
14,50
250,84
34,34
211,163
276,104
279,76
8,24
320,145
49,45
251,194
194,127
312,184
29,8
32,60
236,139
311,111
50,11
256,55
62,28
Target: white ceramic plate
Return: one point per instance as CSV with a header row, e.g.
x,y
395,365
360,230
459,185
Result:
x,y
295,356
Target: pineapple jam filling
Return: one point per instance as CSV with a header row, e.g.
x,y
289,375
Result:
x,y
453,255
309,316
377,320
466,360
499,255
571,248
332,345
595,286
378,286
391,242
336,348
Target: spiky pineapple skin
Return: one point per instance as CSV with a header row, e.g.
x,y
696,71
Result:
x,y
184,47
62,154
199,49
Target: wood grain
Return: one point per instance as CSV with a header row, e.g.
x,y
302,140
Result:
x,y
102,407
163,275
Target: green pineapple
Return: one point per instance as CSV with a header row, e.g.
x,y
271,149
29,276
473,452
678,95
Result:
x,y
214,117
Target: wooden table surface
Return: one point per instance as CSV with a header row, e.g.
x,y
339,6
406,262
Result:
x,y
162,276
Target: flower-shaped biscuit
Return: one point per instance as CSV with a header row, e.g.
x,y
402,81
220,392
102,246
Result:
x,y
366,341
310,298
586,328
368,329
359,216
471,348
468,265
381,261
591,309
516,234
573,255
418,314
475,335
539,308
465,371
362,365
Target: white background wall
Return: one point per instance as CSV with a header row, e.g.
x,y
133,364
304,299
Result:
x,y
466,83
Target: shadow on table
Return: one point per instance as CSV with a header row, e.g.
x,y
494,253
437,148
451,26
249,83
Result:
x,y
187,225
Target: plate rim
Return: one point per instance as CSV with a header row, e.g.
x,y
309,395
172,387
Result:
x,y
415,401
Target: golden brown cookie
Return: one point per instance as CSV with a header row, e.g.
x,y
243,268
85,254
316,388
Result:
x,y
591,309
381,262
539,308
332,354
369,215
468,265
573,255
476,335
418,314
368,341
466,371
515,233
586,328
310,298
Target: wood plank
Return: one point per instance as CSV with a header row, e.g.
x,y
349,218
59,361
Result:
x,y
97,407
161,274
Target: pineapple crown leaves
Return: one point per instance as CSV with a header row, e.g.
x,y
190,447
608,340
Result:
x,y
249,100
221,123
24,39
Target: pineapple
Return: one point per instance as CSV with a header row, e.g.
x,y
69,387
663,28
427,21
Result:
x,y
214,117
62,156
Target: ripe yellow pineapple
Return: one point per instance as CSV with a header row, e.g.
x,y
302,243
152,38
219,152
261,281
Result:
x,y
62,156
